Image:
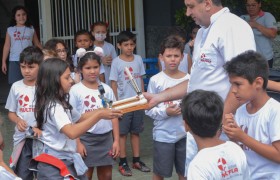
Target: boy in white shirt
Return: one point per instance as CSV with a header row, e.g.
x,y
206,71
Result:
x,y
20,104
169,147
216,159
256,124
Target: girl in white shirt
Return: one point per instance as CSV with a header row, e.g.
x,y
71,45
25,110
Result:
x,y
60,123
97,146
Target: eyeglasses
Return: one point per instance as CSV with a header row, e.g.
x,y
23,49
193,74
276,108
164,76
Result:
x,y
59,51
251,5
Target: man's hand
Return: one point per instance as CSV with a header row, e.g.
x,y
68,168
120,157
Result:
x,y
153,99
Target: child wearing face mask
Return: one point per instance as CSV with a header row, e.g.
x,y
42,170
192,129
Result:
x,y
99,32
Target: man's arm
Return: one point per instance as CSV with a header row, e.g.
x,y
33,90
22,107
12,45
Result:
x,y
231,104
274,86
174,93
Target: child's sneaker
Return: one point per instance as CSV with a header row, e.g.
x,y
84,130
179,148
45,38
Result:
x,y
141,166
125,170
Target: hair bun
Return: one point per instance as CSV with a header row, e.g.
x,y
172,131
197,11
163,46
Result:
x,y
81,52
99,51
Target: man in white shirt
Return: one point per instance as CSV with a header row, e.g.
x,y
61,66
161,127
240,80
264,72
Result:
x,y
221,37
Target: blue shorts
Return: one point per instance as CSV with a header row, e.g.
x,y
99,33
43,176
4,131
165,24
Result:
x,y
132,122
14,72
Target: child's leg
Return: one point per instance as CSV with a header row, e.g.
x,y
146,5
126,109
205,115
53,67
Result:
x,y
104,172
157,177
123,146
135,144
180,158
124,125
137,126
90,172
23,161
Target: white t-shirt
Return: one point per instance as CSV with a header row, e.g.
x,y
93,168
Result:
x,y
225,161
84,99
137,70
21,101
169,129
264,126
108,50
183,64
60,145
21,37
6,175
226,37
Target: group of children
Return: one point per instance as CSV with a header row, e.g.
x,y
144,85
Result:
x,y
74,133
43,106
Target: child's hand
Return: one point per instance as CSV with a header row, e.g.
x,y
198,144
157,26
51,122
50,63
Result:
x,y
233,131
81,149
106,113
4,68
229,120
115,152
107,60
173,110
37,132
21,125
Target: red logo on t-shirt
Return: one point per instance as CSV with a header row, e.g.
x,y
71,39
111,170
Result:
x,y
130,70
204,58
24,103
17,34
23,100
90,101
222,164
227,170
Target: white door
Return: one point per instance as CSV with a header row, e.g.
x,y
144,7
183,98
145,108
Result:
x,y
62,18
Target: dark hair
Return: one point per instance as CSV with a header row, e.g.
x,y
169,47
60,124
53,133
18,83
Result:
x,y
49,90
215,2
51,45
248,65
81,32
258,1
14,11
178,31
172,41
203,112
30,55
126,36
100,23
88,57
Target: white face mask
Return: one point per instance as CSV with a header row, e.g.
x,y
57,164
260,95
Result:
x,y
99,37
